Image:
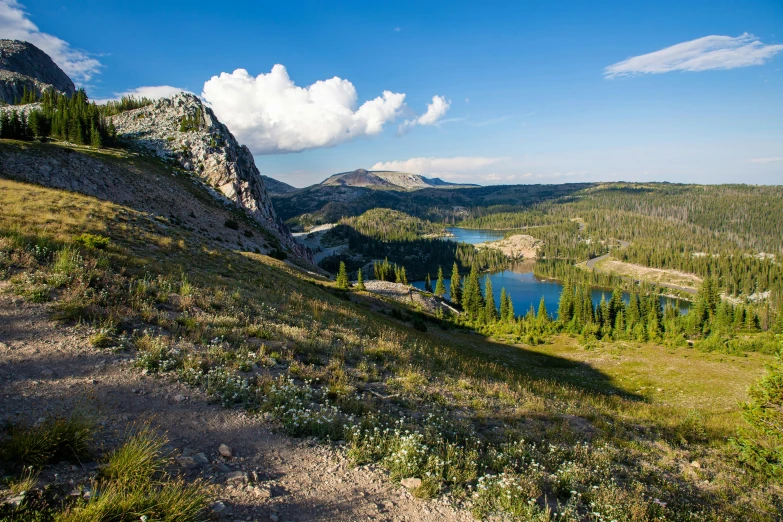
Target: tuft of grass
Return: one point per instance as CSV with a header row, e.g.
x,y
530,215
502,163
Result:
x,y
134,486
103,338
67,261
139,458
27,481
50,441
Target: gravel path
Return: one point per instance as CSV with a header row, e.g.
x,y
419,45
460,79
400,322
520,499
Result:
x,y
47,369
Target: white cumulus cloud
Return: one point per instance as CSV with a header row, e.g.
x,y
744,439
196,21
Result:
x,y
15,25
152,92
435,111
445,167
701,54
270,114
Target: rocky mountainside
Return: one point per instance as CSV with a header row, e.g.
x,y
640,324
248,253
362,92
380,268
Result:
x,y
183,130
23,65
386,180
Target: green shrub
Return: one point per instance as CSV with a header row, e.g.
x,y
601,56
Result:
x,y
92,240
760,444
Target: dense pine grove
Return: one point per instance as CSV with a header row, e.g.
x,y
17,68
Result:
x,y
74,119
713,323
391,225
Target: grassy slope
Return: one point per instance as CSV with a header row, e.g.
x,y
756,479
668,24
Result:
x,y
554,395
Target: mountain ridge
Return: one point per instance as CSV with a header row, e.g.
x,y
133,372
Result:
x,y
276,187
23,66
388,180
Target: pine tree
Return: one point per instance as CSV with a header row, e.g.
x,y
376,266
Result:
x,y
653,327
542,315
472,298
565,308
403,276
633,312
503,304
16,126
440,287
34,122
490,311
616,306
342,277
95,138
5,125
455,295
509,310
428,283
360,281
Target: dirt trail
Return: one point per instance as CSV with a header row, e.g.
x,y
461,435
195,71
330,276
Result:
x,y
47,369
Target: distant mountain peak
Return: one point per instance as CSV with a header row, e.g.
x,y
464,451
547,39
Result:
x,y
387,180
25,66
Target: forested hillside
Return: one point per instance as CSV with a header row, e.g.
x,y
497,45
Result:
x,y
730,232
406,240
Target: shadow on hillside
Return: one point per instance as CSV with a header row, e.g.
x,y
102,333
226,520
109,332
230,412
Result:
x,y
515,363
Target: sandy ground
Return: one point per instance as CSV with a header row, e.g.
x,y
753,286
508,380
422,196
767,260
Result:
x,y
519,246
47,369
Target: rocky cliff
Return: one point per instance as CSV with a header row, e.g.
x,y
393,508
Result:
x,y
183,130
23,65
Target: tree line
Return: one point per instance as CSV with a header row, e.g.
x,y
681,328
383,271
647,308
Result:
x,y
74,119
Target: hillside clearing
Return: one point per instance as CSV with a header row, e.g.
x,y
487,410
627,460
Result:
x,y
666,278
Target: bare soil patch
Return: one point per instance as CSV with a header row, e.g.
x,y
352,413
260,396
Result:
x,y
520,246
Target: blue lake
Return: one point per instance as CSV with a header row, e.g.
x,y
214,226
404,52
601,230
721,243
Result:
x,y
522,285
474,236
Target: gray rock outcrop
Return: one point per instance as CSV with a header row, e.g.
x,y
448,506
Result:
x,y
183,130
23,65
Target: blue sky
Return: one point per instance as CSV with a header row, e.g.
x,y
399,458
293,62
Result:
x,y
523,93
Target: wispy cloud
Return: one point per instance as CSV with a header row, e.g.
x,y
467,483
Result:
x,y
493,121
764,161
16,25
701,54
153,92
435,111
